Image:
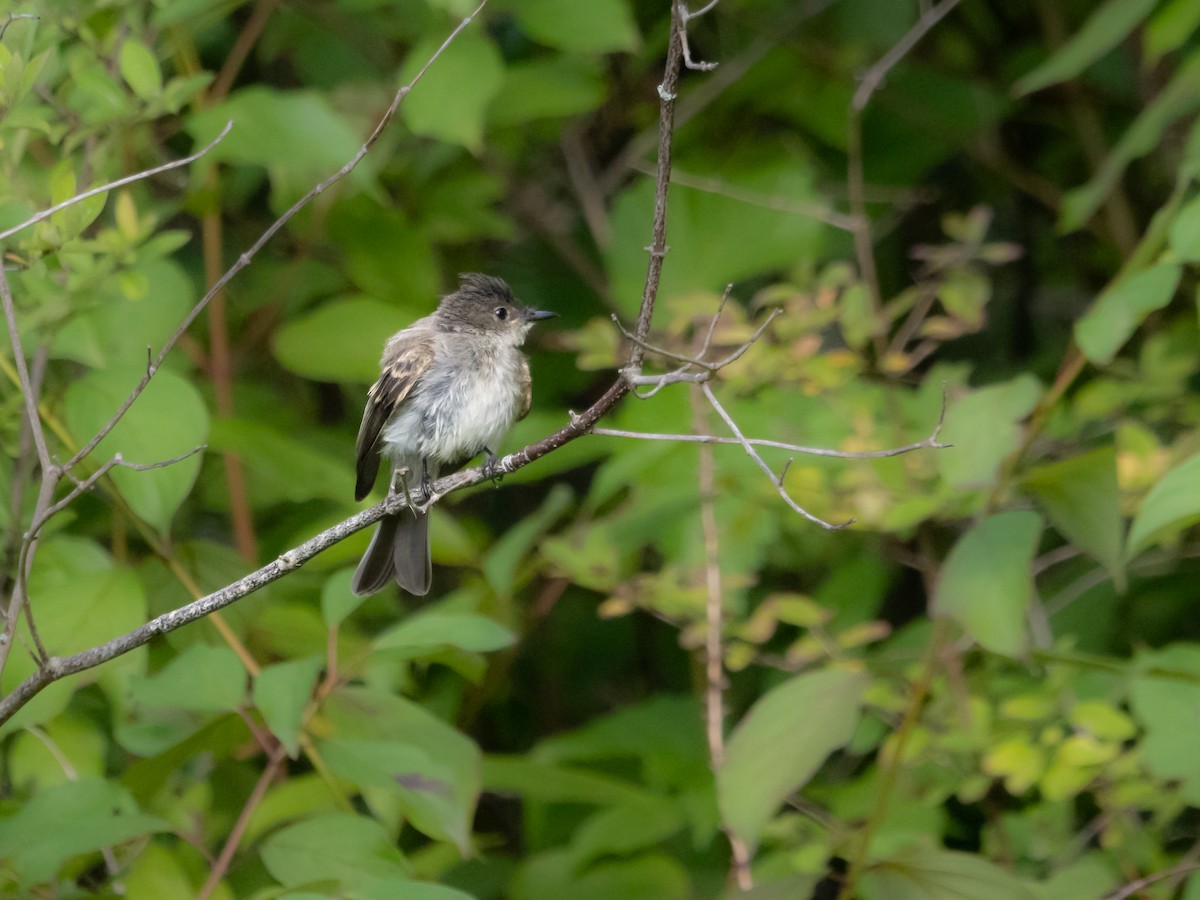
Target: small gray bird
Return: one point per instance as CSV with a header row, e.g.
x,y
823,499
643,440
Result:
x,y
451,386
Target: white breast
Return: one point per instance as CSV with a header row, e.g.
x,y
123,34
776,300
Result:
x,y
460,407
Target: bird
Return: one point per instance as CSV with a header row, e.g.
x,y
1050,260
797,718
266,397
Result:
x,y
451,384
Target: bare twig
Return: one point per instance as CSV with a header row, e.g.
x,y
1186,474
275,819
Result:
x,y
708,366
776,480
86,484
12,17
930,443
685,16
120,182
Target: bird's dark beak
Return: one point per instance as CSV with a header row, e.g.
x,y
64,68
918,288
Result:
x,y
536,315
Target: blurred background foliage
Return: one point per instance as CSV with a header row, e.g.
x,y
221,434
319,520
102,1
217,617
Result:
x,y
988,687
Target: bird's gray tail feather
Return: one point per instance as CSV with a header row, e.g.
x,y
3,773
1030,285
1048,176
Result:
x,y
399,550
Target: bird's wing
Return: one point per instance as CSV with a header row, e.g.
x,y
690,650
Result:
x,y
406,359
526,396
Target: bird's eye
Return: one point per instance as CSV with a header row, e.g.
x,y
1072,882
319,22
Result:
x,y
501,313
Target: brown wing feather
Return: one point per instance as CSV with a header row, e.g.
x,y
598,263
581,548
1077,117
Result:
x,y
405,360
526,390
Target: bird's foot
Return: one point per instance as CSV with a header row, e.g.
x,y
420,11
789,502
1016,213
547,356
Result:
x,y
490,468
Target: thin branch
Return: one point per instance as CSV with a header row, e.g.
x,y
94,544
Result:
x,y
12,17
822,212
1188,865
776,480
246,257
22,471
714,655
120,182
873,78
86,484
930,443
667,93
686,16
220,866
31,411
687,361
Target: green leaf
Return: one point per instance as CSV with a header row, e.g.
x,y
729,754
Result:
x,y
982,426
986,584
1180,97
598,26
450,100
1163,706
337,600
716,236
139,68
203,678
393,888
1184,233
158,872
424,632
68,819
1169,28
621,830
922,873
547,88
538,781
318,140
282,692
380,740
351,851
1118,312
167,420
339,341
780,743
554,875
500,564
1172,505
281,469
1110,24
1081,497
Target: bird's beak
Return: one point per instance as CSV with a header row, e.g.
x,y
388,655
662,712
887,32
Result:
x,y
536,315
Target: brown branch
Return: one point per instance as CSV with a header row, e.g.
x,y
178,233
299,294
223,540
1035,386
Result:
x,y
275,760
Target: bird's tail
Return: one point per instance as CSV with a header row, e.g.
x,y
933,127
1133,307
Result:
x,y
399,550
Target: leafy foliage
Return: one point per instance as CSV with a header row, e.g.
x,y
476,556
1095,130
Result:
x,y
985,687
